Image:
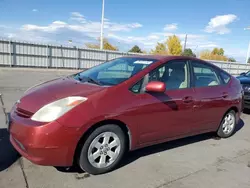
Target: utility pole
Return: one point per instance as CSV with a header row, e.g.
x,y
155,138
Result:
x,y
248,51
185,42
102,24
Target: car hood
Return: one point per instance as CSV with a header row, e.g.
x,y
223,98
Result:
x,y
243,79
53,90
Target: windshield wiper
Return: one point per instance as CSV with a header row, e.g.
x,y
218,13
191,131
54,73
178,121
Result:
x,y
88,79
92,80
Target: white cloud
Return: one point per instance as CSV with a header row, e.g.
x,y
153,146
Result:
x,y
146,41
4,26
238,53
77,17
219,24
171,27
34,10
53,27
11,35
209,45
82,26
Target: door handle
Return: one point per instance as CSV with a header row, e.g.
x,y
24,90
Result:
x,y
224,95
187,99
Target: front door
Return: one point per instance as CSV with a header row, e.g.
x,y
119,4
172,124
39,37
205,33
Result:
x,y
169,114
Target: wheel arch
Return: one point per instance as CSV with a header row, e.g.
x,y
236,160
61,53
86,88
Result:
x,y
119,123
234,108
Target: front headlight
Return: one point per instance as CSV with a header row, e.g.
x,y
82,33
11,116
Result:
x,y
56,109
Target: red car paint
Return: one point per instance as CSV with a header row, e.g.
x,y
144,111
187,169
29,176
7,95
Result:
x,y
149,119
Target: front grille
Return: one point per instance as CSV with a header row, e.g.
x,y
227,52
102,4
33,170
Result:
x,y
23,113
246,88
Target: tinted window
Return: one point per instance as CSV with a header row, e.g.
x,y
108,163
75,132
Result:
x,y
115,71
174,74
204,75
225,77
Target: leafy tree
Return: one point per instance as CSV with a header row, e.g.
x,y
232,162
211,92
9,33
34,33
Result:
x,y
231,59
217,51
106,46
135,49
206,54
188,52
248,61
221,51
174,45
160,49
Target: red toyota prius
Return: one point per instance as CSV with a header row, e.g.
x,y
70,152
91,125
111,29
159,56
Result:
x,y
93,117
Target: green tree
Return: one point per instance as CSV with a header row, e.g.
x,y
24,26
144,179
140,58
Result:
x,y
160,49
174,45
106,46
135,49
248,61
215,51
188,52
218,51
221,51
231,59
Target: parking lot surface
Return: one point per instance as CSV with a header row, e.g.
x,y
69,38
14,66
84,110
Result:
x,y
200,161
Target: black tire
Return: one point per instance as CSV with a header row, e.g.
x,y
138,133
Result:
x,y
220,131
83,160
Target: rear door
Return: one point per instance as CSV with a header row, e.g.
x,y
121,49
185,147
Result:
x,y
169,114
211,95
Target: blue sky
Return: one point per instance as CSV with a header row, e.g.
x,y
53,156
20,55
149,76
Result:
x,y
209,24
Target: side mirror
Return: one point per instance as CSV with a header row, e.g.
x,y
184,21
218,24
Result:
x,y
156,86
243,74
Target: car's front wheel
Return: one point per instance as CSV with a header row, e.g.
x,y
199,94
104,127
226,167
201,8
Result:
x,y
103,149
227,125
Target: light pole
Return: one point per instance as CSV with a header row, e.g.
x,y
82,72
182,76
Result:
x,y
102,24
185,43
248,50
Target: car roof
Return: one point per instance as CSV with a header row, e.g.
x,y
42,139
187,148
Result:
x,y
163,58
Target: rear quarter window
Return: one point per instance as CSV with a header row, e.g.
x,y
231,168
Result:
x,y
225,77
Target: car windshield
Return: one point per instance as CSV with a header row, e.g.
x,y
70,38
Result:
x,y
247,74
115,71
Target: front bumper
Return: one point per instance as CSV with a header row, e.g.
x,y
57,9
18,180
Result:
x,y
49,144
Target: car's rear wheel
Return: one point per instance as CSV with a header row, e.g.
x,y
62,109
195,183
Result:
x,y
102,150
227,125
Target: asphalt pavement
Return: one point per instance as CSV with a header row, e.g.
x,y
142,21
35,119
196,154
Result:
x,y
200,161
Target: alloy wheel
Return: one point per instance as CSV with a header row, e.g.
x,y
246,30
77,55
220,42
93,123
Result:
x,y
104,150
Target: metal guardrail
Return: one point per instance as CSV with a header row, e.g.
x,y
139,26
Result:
x,y
23,54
